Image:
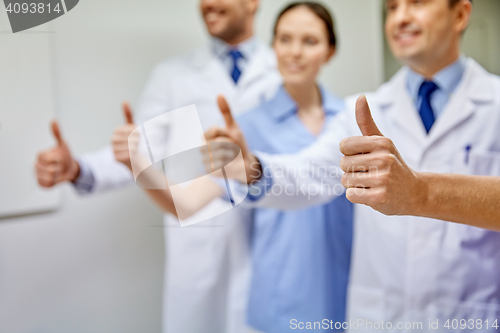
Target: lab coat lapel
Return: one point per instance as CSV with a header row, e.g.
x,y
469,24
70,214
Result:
x,y
210,66
260,64
397,103
475,88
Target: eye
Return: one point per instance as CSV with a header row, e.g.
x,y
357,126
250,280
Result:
x,y
284,39
310,41
391,6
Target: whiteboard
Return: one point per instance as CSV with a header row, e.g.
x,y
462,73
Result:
x,y
26,109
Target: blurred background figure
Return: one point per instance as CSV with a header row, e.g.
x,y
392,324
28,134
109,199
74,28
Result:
x,y
300,258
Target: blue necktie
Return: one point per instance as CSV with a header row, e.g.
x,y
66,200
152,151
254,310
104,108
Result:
x,y
236,72
426,112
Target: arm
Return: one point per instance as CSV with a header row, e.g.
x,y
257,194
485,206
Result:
x,y
98,171
288,181
186,201
377,176
473,200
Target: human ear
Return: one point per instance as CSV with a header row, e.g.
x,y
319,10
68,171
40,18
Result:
x,y
331,52
463,15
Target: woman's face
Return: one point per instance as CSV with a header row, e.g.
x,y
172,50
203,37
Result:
x,y
302,46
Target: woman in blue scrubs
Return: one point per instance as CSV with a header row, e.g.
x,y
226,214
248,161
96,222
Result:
x,y
300,258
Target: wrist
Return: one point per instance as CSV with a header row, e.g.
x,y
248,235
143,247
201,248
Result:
x,y
74,172
253,169
422,194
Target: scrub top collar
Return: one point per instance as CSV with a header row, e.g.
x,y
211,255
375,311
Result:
x,y
283,106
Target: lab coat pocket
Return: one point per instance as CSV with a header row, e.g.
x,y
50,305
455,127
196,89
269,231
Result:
x,y
484,163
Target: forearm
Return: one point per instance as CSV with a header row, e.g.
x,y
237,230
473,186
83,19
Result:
x,y
292,182
188,200
163,199
107,173
472,200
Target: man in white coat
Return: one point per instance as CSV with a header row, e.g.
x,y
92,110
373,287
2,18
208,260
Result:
x,y
442,112
207,266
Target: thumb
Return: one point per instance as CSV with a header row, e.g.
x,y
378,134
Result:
x,y
57,133
364,118
226,111
129,119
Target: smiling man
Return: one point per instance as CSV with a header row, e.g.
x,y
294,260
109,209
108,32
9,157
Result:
x,y
442,112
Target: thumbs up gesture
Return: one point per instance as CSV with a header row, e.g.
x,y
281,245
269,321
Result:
x,y
375,173
219,154
56,165
123,143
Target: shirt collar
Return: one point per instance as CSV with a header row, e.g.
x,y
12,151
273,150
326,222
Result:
x,y
283,105
221,49
446,79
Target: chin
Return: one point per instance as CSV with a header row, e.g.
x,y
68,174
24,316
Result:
x,y
217,29
293,79
406,54
298,84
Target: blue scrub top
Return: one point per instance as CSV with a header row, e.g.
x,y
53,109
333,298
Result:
x,y
300,258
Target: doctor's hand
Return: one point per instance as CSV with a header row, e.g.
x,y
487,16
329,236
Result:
x,y
375,173
56,165
220,155
124,144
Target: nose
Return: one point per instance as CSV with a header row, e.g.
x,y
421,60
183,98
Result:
x,y
296,48
402,15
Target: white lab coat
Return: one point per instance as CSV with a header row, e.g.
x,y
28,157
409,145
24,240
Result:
x,y
413,269
207,265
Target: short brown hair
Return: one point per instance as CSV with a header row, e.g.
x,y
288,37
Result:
x,y
320,12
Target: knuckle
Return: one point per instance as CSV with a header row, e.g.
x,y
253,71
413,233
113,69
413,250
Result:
x,y
343,164
347,180
384,142
381,197
344,180
391,161
387,160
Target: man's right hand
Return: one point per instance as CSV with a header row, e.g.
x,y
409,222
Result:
x,y
57,164
220,155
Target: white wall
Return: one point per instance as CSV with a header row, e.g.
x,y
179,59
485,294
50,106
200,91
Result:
x,y
96,265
